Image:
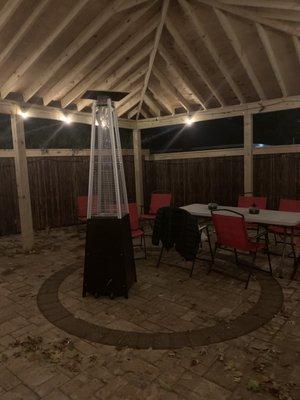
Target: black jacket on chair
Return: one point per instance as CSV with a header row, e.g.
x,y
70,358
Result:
x,y
177,227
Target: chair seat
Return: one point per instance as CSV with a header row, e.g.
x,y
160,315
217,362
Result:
x,y
280,230
137,233
148,216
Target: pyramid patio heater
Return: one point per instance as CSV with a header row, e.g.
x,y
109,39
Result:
x,y
109,260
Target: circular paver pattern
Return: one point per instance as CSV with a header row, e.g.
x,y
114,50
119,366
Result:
x,y
53,304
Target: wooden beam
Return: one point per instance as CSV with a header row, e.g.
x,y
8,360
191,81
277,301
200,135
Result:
x,y
282,15
78,72
126,4
37,111
166,84
128,105
242,12
71,49
225,112
152,105
272,57
9,153
131,79
21,32
248,153
297,46
179,71
133,112
39,51
158,33
240,51
144,114
192,59
279,4
138,168
18,136
125,99
108,83
8,10
107,64
212,49
160,99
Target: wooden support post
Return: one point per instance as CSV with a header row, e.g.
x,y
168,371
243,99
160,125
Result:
x,y
138,167
17,127
248,153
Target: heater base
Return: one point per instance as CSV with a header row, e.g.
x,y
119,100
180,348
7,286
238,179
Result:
x,y
109,268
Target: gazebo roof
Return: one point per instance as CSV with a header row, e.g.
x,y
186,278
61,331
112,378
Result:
x,y
172,56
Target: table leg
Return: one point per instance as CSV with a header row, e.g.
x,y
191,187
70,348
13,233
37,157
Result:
x,y
280,269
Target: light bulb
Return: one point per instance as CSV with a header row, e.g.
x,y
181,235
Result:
x,y
24,114
67,119
189,121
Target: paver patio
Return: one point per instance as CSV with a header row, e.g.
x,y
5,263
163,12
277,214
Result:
x,y
41,361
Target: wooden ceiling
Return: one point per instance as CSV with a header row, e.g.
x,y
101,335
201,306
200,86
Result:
x,y
172,56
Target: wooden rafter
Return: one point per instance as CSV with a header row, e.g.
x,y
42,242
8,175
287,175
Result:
x,y
21,32
133,112
126,4
152,105
297,46
144,113
166,84
236,44
192,59
282,15
198,26
280,4
153,52
110,82
8,10
29,61
128,105
77,73
132,78
179,71
71,49
130,95
89,81
242,12
264,37
160,99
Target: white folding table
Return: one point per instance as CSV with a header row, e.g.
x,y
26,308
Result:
x,y
286,219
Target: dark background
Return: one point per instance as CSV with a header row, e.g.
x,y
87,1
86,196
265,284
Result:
x,y
275,128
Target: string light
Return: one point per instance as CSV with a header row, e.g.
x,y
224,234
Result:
x,y
189,121
24,114
67,119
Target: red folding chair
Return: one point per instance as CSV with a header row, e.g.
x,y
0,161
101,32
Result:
x,y
158,200
136,230
291,206
231,231
82,202
249,201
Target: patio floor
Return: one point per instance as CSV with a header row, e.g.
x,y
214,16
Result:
x,y
174,338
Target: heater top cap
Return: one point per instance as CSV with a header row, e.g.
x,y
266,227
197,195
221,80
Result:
x,y
103,95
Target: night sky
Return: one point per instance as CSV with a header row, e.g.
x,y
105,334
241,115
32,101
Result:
x,y
276,128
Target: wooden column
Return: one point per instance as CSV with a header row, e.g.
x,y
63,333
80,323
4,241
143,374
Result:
x,y
248,153
138,167
17,127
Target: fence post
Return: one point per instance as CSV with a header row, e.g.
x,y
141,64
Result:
x,y
248,153
138,167
18,136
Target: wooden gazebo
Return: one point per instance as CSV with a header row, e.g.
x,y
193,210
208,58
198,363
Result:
x,y
180,60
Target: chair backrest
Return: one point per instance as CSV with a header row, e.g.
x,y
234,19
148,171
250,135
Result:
x,y
231,229
248,201
289,205
159,200
82,202
133,216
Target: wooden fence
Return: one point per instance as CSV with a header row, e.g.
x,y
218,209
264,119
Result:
x,y
55,183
